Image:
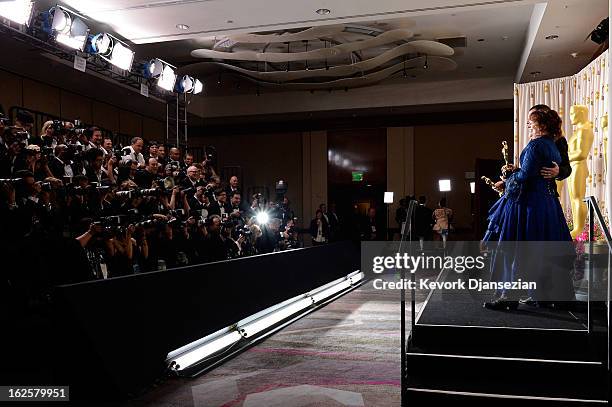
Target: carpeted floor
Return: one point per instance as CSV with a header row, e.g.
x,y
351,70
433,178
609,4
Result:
x,y
345,354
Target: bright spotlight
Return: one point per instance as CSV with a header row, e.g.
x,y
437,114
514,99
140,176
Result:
x,y
18,11
388,198
445,185
167,78
262,218
188,84
68,28
473,187
153,68
198,87
112,50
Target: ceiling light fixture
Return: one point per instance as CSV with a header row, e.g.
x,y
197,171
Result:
x,y
552,37
323,11
67,27
18,11
183,27
113,50
188,84
574,55
535,73
481,39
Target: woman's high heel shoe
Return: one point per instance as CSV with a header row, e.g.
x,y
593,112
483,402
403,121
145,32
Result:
x,y
501,304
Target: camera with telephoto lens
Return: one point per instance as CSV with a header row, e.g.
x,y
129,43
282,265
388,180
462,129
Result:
x,y
58,127
111,226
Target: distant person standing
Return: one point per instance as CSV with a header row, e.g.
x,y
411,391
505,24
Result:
x,y
443,217
423,221
319,229
371,229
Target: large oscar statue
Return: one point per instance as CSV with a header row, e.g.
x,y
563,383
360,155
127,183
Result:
x,y
579,148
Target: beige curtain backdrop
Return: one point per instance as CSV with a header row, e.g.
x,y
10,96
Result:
x,y
588,87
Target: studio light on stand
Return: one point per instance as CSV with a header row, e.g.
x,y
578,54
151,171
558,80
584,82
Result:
x,y
67,27
444,185
113,50
17,11
188,84
163,71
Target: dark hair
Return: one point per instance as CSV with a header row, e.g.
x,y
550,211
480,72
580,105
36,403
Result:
x,y
90,131
24,117
548,121
422,199
442,202
544,108
94,153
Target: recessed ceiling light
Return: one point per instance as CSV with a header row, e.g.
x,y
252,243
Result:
x,y
182,27
481,39
552,37
535,73
323,11
574,55
230,21
505,38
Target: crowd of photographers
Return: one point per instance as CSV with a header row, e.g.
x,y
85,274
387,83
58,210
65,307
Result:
x,y
75,207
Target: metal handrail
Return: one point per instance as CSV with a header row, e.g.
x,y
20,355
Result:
x,y
406,232
595,213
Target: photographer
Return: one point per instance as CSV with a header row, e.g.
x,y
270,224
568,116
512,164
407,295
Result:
x,y
236,211
59,164
47,137
145,177
289,237
193,179
11,149
200,200
220,207
214,243
31,159
134,152
270,237
95,171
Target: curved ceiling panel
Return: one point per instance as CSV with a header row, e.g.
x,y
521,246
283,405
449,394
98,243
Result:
x,y
433,63
414,47
310,34
413,65
317,54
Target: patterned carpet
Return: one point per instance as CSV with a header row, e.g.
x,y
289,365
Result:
x,y
345,354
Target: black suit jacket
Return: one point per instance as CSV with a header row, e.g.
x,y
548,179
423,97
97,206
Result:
x,y
565,170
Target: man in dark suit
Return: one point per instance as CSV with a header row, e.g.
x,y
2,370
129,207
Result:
x,y
233,186
220,207
423,221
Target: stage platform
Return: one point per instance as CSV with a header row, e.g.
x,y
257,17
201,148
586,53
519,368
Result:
x,y
459,351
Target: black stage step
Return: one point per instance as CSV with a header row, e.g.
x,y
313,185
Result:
x,y
460,352
503,366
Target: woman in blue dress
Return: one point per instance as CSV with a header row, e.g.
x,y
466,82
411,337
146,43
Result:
x,y
530,211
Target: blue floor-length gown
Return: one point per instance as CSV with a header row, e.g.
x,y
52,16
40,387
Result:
x,y
529,211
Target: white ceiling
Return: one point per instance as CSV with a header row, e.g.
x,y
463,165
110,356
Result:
x,y
507,50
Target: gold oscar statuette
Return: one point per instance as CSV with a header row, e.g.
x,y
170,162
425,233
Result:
x,y
490,183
